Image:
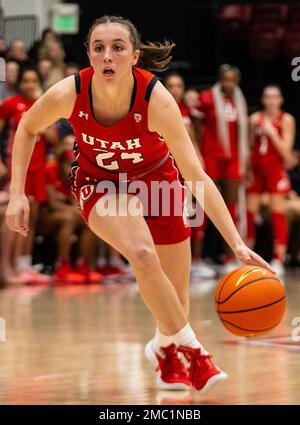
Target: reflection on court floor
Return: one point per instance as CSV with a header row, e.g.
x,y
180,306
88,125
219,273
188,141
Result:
x,y
85,345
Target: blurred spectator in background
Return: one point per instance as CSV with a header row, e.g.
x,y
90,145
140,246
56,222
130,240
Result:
x,y
174,83
272,136
224,140
53,51
9,87
62,218
47,35
3,47
44,67
16,259
4,198
17,52
191,100
71,68
110,261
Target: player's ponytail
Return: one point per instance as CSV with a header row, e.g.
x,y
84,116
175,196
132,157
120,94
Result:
x,y
154,56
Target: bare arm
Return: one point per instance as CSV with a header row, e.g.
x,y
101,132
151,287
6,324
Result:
x,y
192,135
165,117
252,124
284,143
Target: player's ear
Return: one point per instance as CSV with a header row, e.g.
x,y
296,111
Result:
x,y
136,55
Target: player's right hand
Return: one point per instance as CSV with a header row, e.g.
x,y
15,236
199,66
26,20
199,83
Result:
x,y
17,214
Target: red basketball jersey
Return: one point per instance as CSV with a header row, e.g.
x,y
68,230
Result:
x,y
125,147
210,144
264,152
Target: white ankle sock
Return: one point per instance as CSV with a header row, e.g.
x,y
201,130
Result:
x,y
24,262
186,336
161,340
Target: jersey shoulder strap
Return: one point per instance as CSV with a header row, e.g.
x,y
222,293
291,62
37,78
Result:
x,y
77,82
81,80
146,82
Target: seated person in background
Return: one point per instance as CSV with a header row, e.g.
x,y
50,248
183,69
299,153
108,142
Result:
x,y
110,261
62,218
17,52
44,67
9,87
16,259
71,68
3,47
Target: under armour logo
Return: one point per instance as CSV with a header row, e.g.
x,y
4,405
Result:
x,y
137,117
83,114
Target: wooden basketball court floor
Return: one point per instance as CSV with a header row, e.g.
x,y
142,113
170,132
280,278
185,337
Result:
x,y
84,345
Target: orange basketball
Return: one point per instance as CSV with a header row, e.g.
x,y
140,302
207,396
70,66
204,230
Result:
x,y
250,301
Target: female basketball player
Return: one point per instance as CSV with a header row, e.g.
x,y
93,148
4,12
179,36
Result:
x,y
119,112
272,134
224,139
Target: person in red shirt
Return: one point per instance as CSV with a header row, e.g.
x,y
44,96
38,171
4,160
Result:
x,y
62,218
11,111
224,138
128,127
191,100
174,83
272,134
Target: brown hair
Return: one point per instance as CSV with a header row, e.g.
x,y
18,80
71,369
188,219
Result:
x,y
154,56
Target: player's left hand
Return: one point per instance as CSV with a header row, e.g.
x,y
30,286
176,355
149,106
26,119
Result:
x,y
249,257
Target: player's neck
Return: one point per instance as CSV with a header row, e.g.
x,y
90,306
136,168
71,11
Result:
x,y
272,113
27,98
112,93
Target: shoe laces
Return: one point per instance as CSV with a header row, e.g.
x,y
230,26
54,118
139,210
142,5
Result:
x,y
171,363
198,361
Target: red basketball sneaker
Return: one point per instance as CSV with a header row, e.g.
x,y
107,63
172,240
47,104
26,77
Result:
x,y
203,374
172,372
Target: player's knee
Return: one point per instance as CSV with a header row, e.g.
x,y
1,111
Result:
x,y
143,256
